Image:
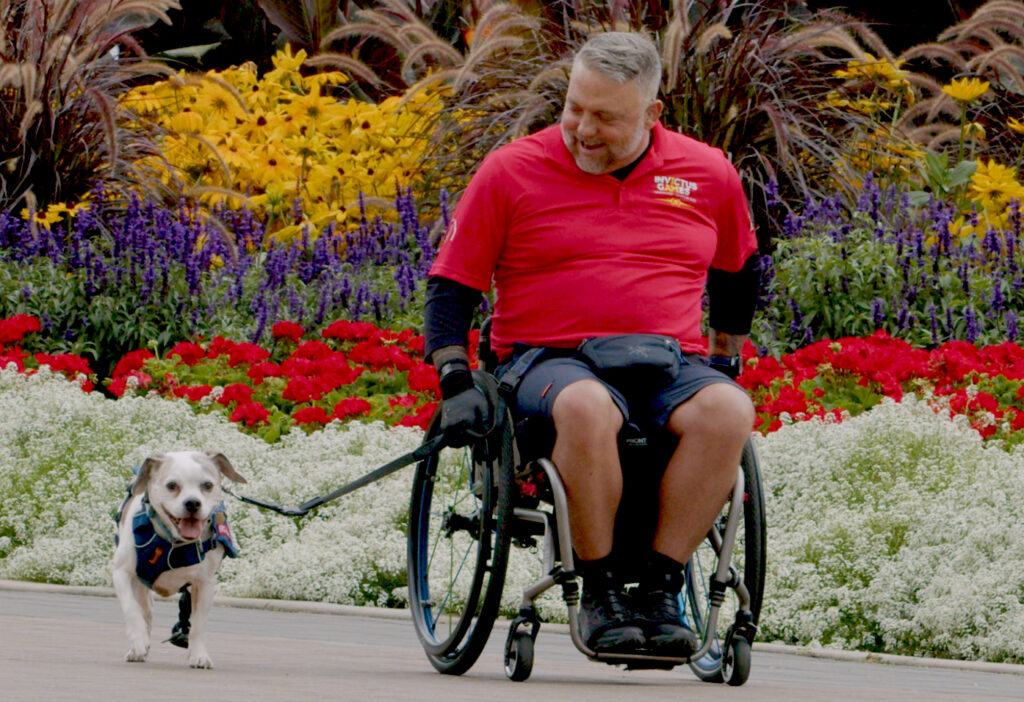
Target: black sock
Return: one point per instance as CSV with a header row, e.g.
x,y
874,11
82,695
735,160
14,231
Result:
x,y
598,574
662,573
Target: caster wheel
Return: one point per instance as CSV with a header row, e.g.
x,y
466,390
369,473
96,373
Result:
x,y
736,666
519,655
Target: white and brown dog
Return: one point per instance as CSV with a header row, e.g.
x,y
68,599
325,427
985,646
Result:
x,y
172,534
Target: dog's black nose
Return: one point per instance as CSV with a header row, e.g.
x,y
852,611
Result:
x,y
192,506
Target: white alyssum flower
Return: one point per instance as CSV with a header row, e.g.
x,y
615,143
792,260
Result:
x,y
896,530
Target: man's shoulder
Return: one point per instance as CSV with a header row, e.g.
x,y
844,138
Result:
x,y
532,146
675,145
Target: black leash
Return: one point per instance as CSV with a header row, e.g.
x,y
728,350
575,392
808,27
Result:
x,y
302,510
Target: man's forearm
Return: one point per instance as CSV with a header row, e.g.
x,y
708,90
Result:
x,y
723,344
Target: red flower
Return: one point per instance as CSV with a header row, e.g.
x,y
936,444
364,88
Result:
x,y
311,415
250,413
302,389
313,350
67,363
246,353
352,406
423,378
13,329
378,356
343,329
190,353
259,371
194,393
131,362
236,392
15,356
220,345
416,344
402,401
119,384
287,330
421,418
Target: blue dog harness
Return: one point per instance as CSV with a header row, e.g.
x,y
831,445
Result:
x,y
157,552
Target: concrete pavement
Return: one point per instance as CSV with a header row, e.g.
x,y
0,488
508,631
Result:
x,y
59,643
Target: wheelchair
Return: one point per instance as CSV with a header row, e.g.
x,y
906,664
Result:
x,y
471,506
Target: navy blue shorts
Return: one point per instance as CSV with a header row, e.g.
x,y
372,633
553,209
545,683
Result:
x,y
644,406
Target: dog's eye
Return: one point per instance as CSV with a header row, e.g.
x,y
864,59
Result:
x,y
171,485
207,486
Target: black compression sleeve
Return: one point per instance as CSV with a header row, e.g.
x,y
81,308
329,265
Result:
x,y
447,313
732,297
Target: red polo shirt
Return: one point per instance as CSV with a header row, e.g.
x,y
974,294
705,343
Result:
x,y
574,255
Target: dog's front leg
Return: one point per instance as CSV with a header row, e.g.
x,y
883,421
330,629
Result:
x,y
202,603
137,606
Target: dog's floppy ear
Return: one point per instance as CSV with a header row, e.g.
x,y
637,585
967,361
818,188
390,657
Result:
x,y
141,481
225,467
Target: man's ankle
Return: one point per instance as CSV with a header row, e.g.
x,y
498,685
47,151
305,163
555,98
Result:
x,y
662,573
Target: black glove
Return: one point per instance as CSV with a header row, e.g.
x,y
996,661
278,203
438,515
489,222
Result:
x,y
465,412
730,365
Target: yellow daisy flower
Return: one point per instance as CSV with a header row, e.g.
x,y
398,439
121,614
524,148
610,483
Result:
x,y
966,90
1016,125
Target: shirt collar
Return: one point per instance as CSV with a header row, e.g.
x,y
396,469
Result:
x,y
662,149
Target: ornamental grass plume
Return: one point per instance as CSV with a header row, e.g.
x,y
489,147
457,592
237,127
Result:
x,y
64,64
970,75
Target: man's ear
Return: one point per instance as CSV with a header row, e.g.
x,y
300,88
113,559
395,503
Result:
x,y
141,481
653,113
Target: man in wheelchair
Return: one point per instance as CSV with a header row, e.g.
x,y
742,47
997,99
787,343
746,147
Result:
x,y
600,235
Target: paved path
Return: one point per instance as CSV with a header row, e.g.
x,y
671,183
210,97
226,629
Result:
x,y
67,644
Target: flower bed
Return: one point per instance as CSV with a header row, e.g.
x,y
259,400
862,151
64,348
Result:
x,y
896,531
838,379
356,371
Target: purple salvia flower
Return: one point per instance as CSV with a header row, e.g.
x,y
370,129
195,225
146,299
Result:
x,y
878,312
972,324
1011,325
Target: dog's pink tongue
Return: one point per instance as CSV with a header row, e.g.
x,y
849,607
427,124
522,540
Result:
x,y
190,528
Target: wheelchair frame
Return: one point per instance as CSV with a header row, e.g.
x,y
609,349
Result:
x,y
458,554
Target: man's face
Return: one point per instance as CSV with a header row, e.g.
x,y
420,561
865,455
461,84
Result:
x,y
605,124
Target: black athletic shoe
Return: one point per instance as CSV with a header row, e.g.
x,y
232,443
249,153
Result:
x,y
662,624
606,624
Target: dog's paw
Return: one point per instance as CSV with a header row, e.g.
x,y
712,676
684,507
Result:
x,y
200,660
137,654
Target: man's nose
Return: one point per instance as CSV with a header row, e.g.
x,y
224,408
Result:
x,y
587,126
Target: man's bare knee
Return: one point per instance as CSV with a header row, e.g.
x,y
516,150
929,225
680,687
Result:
x,y
718,410
586,404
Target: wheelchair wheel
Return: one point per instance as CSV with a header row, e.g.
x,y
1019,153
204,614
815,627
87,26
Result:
x,y
728,659
458,546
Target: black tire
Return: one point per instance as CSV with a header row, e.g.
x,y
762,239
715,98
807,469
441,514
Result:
x,y
736,667
458,546
519,655
749,557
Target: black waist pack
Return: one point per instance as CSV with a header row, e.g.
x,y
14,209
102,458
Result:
x,y
647,357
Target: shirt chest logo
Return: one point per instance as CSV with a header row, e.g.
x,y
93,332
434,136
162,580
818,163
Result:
x,y
679,190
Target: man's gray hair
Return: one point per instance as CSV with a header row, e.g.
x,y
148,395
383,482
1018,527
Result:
x,y
624,56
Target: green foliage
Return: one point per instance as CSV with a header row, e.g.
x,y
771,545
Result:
x,y
942,180
889,266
